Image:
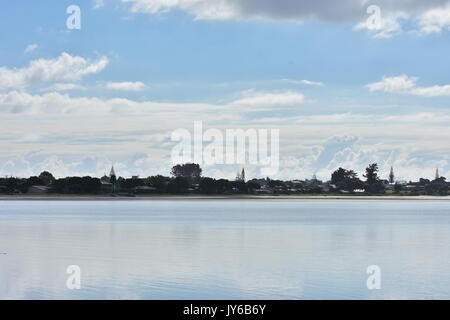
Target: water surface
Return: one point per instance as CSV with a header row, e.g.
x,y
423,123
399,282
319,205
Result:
x,y
224,249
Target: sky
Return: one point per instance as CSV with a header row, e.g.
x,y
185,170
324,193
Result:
x,y
343,91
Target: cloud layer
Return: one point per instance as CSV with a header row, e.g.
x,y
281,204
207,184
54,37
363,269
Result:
x,y
429,16
63,68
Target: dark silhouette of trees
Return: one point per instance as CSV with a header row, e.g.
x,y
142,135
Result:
x,y
187,179
238,187
178,185
373,183
190,171
14,185
372,174
129,184
252,186
35,181
437,187
77,185
346,180
223,186
47,178
158,182
208,185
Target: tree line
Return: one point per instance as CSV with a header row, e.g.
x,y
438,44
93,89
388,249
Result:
x,y
187,178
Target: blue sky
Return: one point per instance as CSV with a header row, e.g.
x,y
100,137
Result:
x,y
75,101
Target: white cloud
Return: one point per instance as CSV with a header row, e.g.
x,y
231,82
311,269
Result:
x,y
407,85
269,99
64,68
313,83
390,25
64,87
399,84
31,48
125,86
435,20
434,91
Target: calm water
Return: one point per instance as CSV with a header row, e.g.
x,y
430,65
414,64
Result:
x,y
224,249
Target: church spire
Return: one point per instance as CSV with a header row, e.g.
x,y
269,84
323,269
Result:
x,y
240,176
391,176
112,173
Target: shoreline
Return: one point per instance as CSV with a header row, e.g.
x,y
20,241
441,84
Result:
x,y
219,198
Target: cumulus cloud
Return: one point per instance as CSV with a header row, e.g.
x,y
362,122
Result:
x,y
435,20
407,85
389,25
63,68
398,84
31,48
125,86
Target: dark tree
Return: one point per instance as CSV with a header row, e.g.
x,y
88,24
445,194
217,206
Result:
x,y
190,171
90,185
437,187
373,183
178,185
130,184
77,185
346,180
47,177
238,186
252,186
208,185
372,174
159,182
223,186
35,181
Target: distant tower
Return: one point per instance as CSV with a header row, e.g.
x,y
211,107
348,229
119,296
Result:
x,y
437,174
391,176
113,179
240,176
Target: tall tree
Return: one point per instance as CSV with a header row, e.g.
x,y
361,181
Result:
x,y
47,177
190,171
372,174
373,183
346,180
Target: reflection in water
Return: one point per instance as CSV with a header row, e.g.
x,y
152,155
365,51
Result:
x,y
224,249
